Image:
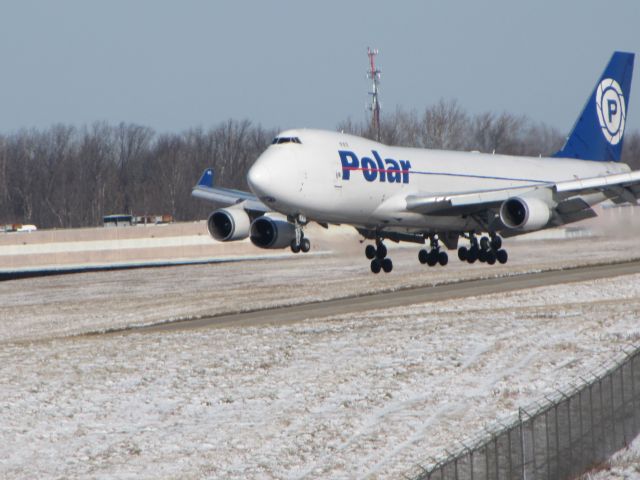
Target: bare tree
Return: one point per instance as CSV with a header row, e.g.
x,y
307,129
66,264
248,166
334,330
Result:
x,y
444,126
68,177
631,150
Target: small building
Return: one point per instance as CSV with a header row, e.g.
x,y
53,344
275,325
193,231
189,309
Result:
x,y
117,220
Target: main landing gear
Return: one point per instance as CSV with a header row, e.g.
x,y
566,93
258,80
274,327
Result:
x,y
434,255
487,250
378,256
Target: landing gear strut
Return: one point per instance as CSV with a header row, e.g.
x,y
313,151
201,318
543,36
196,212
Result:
x,y
434,255
300,243
486,250
378,256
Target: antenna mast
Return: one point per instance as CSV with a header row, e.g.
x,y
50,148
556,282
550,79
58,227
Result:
x,y
374,75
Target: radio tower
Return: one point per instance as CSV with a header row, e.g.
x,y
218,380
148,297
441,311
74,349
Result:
x,y
374,75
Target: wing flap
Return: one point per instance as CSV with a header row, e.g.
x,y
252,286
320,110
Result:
x,y
630,182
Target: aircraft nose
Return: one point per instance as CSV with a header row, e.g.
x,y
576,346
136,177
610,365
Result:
x,y
259,177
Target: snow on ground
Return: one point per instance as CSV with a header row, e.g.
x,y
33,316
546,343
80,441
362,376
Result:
x,y
624,465
355,396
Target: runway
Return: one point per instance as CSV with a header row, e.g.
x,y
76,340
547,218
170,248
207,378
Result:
x,y
402,297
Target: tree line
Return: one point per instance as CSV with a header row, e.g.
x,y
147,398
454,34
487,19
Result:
x,y
65,176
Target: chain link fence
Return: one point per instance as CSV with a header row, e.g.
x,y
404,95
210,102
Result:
x,y
560,437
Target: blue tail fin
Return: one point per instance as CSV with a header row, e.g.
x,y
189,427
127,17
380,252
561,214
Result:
x,y
597,135
206,180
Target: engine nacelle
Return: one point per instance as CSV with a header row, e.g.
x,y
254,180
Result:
x,y
226,224
267,232
524,213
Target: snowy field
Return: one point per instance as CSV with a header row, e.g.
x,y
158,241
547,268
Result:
x,y
364,395
624,465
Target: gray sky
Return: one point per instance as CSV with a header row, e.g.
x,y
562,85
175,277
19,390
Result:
x,y
180,64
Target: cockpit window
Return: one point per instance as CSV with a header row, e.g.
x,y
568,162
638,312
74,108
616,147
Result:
x,y
279,140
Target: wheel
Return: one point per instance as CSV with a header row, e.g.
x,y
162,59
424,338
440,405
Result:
x,y
432,258
482,255
484,243
496,243
305,245
381,252
295,248
387,265
422,256
370,251
472,254
502,256
376,265
491,257
462,253
443,258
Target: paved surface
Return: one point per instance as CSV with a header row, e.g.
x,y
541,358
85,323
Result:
x,y
463,289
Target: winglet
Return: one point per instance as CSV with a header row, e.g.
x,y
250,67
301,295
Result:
x,y
598,132
206,180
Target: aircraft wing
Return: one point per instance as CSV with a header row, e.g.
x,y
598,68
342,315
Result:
x,y
204,189
570,207
463,203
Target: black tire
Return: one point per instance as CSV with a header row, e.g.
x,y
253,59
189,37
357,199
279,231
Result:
x,y
295,248
381,252
432,258
496,243
482,255
472,255
387,265
443,258
370,252
484,243
462,253
376,265
502,256
305,245
491,257
422,256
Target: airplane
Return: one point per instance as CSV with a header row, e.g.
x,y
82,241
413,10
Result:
x,y
430,197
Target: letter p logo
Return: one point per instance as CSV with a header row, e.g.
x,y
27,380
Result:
x,y
611,111
612,105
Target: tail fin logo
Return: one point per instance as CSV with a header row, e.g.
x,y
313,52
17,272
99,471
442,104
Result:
x,y
611,110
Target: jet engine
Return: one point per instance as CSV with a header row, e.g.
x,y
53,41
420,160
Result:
x,y
267,232
524,213
226,224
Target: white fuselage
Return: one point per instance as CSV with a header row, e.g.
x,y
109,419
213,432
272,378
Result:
x,y
338,178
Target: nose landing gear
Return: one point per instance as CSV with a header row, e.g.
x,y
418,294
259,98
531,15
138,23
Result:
x,y
300,243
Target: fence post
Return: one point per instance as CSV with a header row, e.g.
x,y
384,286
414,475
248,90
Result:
x,y
495,448
568,400
555,412
633,394
581,443
602,422
522,457
546,428
614,445
593,427
624,406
